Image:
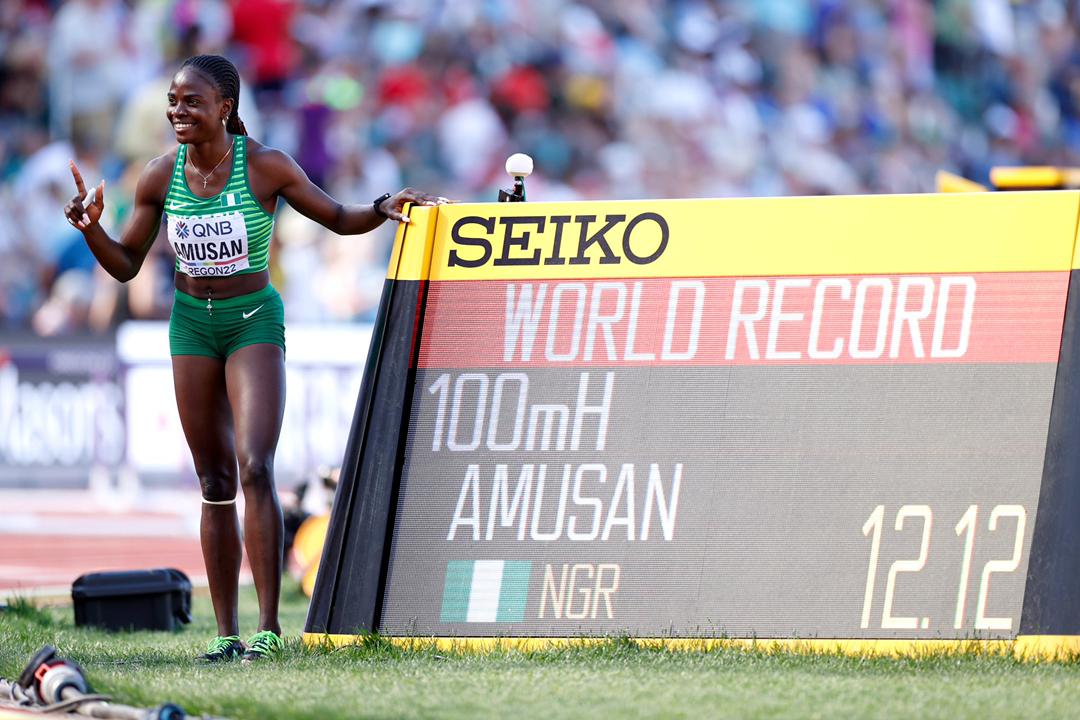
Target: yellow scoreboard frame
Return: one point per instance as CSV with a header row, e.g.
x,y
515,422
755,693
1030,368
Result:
x,y
996,235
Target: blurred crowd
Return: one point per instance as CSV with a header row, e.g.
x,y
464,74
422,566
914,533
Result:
x,y
615,99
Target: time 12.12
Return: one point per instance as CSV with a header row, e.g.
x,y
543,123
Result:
x,y
967,529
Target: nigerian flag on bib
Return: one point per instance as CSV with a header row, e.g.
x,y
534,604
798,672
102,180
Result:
x,y
485,590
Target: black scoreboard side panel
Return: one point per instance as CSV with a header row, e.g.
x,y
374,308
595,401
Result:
x,y
1053,580
348,591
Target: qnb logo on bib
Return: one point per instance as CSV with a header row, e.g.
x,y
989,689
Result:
x,y
210,246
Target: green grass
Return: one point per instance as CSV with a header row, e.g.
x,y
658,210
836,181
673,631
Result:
x,y
613,679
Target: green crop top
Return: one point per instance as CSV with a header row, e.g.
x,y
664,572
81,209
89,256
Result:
x,y
227,234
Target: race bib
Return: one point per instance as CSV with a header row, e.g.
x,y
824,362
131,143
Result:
x,y
210,246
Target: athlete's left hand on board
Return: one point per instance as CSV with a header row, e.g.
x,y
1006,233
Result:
x,y
394,204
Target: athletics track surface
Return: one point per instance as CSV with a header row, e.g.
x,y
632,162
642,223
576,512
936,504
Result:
x,y
47,540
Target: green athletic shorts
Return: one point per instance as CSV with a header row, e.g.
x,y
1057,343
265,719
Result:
x,y
218,328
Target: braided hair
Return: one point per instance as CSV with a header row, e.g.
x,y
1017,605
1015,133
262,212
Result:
x,y
224,76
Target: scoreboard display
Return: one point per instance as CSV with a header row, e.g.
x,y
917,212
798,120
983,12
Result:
x,y
771,418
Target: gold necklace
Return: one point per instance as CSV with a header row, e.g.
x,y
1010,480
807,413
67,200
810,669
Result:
x,y
206,177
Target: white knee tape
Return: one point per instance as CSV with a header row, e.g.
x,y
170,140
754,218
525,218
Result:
x,y
219,502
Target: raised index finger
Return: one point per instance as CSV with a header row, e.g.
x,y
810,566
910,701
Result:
x,y
78,178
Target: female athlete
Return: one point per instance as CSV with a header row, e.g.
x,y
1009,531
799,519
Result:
x,y
217,191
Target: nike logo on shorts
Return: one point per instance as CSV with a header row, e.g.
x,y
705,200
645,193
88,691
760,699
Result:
x,y
249,314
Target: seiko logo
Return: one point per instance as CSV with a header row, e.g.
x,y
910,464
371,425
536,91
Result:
x,y
577,240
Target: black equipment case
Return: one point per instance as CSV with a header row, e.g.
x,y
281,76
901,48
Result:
x,y
133,600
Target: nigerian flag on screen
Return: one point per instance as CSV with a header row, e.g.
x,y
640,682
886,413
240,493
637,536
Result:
x,y
485,590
